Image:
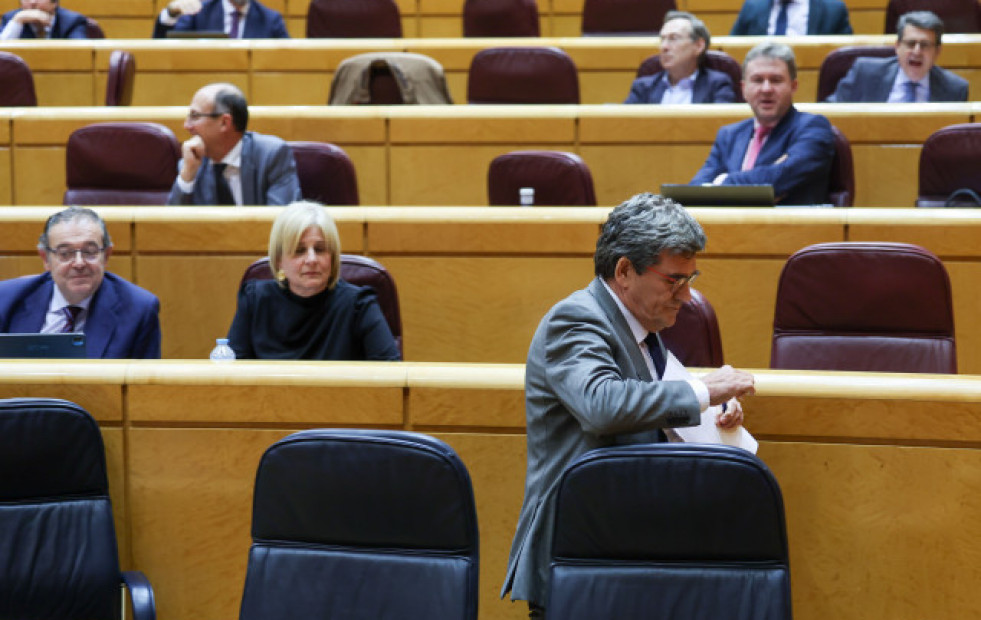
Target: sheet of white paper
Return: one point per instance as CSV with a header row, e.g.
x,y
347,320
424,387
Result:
x,y
707,431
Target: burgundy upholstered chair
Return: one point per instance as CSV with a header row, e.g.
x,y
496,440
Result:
x,y
326,173
522,75
836,64
841,179
126,163
558,178
957,15
358,270
624,17
714,59
877,307
500,18
120,79
694,338
949,162
353,19
16,82
93,30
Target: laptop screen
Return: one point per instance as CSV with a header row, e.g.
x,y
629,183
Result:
x,y
59,346
719,195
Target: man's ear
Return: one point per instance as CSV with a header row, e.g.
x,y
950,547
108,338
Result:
x,y
107,253
44,258
623,271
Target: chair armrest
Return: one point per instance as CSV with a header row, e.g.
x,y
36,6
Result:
x,y
140,595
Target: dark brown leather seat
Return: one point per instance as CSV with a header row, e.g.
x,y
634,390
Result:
x,y
326,173
353,19
714,59
841,179
359,270
949,162
836,64
16,82
121,77
522,75
878,307
694,338
93,30
558,178
624,17
120,164
500,18
957,15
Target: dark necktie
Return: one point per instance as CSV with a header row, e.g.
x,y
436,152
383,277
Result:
x,y
781,26
236,18
223,191
910,92
654,348
71,315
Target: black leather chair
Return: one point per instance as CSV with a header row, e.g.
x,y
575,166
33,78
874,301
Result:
x,y
948,163
362,525
500,18
59,557
522,75
714,59
326,173
16,82
558,178
694,338
669,531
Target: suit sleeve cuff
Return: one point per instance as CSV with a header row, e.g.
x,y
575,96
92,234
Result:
x,y
701,393
166,19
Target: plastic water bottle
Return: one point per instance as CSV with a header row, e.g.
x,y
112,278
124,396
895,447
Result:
x,y
222,352
527,196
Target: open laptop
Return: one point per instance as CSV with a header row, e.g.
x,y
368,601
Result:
x,y
196,34
59,346
719,195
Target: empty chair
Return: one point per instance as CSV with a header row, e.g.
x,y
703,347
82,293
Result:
x,y
16,82
353,19
522,75
362,525
714,59
56,528
669,531
500,18
120,79
841,177
126,163
359,270
948,163
389,78
877,307
694,338
93,30
558,178
957,15
326,173
624,17
836,64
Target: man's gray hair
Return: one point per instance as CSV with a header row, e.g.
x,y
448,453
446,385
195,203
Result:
x,y
698,29
70,215
925,20
641,228
777,51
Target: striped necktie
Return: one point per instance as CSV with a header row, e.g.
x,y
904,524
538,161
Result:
x,y
71,315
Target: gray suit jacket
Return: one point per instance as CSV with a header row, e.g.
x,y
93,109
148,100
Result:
x,y
587,386
268,175
870,80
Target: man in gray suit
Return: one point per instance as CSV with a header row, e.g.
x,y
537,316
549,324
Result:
x,y
910,76
223,164
592,378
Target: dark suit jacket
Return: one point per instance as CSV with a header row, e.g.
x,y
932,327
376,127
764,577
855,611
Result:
x,y
586,386
68,25
871,79
122,320
268,175
711,86
800,179
260,22
823,17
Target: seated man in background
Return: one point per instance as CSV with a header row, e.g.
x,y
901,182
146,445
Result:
x,y
911,76
684,78
239,19
76,294
223,164
42,19
779,146
792,17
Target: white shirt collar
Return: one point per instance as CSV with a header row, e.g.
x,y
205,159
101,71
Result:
x,y
234,157
58,301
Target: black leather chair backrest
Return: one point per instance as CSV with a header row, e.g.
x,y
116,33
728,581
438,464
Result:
x,y
877,307
949,162
694,338
669,531
837,63
16,82
121,78
500,18
353,19
522,75
362,524
558,178
962,16
326,173
714,59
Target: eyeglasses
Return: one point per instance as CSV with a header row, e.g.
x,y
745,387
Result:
x,y
195,116
911,44
89,254
676,281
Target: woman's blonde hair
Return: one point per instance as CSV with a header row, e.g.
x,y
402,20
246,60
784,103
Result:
x,y
289,227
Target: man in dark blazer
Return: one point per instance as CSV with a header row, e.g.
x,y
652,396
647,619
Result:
x,y
260,22
684,78
779,146
76,294
42,19
910,76
223,164
800,17
593,374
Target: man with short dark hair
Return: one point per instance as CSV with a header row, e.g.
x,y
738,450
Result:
x,y
223,163
684,78
42,19
909,77
792,18
239,19
77,294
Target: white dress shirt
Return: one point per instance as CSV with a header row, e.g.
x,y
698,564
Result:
x,y
797,14
55,319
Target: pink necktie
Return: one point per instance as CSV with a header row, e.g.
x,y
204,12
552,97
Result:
x,y
755,145
236,18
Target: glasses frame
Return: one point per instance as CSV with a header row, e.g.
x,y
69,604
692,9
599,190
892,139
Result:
x,y
677,282
194,116
925,46
70,255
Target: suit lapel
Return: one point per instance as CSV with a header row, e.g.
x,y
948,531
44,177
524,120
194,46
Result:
x,y
740,144
102,320
34,307
699,91
620,329
883,87
815,16
776,144
247,171
938,90
659,87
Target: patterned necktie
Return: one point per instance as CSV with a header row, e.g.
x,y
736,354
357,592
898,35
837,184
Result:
x,y
910,92
781,26
71,315
223,191
755,146
236,18
654,348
